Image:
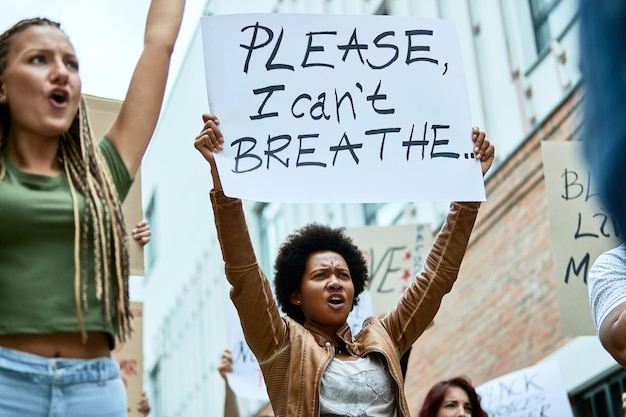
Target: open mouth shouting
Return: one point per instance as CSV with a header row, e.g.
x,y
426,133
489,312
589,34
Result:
x,y
337,301
59,97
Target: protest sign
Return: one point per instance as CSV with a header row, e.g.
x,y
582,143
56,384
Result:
x,y
329,108
102,112
580,230
394,254
534,391
246,379
129,356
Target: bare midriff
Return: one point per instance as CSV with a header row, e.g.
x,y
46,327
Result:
x,y
60,345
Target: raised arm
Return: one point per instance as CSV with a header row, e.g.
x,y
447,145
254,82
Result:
x,y
135,124
421,301
231,408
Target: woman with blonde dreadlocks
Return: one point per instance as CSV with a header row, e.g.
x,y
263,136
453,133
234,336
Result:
x,y
63,257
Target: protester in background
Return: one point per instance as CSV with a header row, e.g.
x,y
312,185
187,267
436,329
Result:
x,y
311,363
455,397
607,299
63,258
603,66
231,408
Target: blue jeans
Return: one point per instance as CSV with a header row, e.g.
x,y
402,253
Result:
x,y
603,65
36,386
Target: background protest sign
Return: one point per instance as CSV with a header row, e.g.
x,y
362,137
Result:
x,y
534,391
394,254
102,112
328,108
246,380
580,230
129,356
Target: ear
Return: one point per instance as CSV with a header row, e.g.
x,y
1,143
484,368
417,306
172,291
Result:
x,y
295,298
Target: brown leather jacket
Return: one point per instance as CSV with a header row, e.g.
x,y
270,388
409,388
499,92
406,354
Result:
x,y
293,357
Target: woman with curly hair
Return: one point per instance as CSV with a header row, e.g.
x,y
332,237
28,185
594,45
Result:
x,y
455,397
312,364
63,255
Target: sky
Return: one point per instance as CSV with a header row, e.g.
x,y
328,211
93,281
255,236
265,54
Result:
x,y
106,34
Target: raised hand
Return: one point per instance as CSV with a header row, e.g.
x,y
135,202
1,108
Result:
x,y
210,140
483,149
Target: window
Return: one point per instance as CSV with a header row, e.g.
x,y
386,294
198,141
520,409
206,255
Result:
x,y
150,250
268,217
603,399
155,401
383,10
550,19
371,210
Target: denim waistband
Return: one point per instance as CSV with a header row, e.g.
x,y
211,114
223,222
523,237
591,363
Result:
x,y
59,371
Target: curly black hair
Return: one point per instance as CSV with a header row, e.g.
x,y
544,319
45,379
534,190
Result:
x,y
294,252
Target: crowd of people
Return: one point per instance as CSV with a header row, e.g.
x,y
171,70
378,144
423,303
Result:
x,y
64,269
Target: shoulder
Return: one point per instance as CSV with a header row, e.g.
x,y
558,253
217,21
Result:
x,y
610,263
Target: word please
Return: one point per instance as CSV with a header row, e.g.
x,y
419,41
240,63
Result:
x,y
281,149
317,55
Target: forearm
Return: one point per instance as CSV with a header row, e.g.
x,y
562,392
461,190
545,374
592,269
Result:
x,y
251,294
232,231
231,408
421,301
134,126
613,334
163,23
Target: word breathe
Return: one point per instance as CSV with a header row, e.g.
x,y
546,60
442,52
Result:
x,y
282,148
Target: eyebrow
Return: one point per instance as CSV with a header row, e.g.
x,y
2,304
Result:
x,y
31,50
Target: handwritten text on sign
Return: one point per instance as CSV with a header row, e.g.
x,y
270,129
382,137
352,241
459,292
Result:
x,y
319,108
580,230
534,391
246,380
394,255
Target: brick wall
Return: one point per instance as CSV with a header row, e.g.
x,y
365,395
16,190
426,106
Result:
x,y
502,313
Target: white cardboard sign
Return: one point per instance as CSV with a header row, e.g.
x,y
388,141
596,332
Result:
x,y
328,108
534,391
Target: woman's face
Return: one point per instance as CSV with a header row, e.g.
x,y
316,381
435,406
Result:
x,y
326,291
41,82
456,403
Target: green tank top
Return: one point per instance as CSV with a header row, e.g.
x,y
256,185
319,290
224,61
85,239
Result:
x,y
37,251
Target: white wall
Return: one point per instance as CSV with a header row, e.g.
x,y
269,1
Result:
x,y
185,292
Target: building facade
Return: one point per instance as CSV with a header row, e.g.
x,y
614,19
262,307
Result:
x,y
521,63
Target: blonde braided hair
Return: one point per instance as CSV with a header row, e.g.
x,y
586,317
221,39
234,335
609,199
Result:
x,y
89,175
